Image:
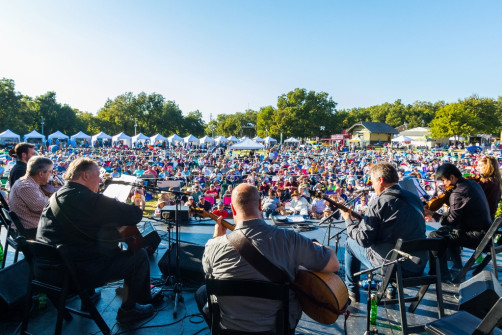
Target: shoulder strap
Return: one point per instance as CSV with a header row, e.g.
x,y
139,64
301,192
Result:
x,y
255,258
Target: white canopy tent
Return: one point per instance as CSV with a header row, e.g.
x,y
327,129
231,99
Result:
x,y
206,140
269,140
190,139
80,136
140,138
292,140
126,139
34,135
220,139
9,136
58,136
247,145
258,139
100,136
233,139
157,138
175,138
243,138
402,138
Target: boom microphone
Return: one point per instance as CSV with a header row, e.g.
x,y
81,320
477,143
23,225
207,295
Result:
x,y
414,259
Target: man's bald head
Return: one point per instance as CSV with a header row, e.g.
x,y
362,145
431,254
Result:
x,y
246,199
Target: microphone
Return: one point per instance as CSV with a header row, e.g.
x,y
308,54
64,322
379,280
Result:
x,y
364,190
414,259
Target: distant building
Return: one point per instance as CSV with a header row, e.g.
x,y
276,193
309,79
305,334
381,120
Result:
x,y
421,136
371,132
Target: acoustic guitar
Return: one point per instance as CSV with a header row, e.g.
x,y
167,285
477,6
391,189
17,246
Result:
x,y
322,295
316,194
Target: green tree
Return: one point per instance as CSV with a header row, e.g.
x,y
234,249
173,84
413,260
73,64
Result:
x,y
264,120
193,124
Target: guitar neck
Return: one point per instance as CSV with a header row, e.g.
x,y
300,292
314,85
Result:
x,y
226,224
342,207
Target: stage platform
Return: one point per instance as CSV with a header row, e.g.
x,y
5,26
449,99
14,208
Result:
x,y
189,321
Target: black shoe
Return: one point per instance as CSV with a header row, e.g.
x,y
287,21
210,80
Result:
x,y
354,297
390,293
137,313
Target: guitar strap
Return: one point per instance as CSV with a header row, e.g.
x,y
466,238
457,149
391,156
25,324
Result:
x,y
256,259
264,266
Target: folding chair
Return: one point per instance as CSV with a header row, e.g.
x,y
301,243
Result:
x,y
9,221
394,274
487,243
247,288
53,273
464,323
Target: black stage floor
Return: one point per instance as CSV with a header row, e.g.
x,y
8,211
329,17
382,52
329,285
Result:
x,y
188,321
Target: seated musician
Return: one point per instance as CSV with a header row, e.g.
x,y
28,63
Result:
x,y
396,213
490,182
86,222
466,221
283,247
26,197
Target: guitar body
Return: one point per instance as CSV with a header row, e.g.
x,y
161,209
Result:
x,y
132,237
327,289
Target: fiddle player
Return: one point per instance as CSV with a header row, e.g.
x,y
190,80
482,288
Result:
x,y
285,248
26,197
466,221
395,213
85,221
22,152
490,181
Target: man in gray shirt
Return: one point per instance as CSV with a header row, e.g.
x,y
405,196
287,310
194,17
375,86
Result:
x,y
285,248
394,214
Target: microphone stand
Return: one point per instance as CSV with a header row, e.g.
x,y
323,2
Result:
x,y
370,273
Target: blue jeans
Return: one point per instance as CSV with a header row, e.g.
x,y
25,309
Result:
x,y
355,255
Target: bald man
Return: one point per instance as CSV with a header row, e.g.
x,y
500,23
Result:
x,y
283,247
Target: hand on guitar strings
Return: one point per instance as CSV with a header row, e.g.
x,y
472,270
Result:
x,y
219,228
346,214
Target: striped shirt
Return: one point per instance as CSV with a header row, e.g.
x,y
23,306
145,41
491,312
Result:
x,y
27,200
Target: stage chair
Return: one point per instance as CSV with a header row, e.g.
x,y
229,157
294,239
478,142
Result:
x,y
464,323
56,261
394,276
247,288
9,220
488,246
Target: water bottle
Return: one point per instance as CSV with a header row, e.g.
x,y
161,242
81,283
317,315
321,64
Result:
x,y
1,253
479,259
373,310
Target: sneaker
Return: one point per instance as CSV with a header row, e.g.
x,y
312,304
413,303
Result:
x,y
137,313
354,297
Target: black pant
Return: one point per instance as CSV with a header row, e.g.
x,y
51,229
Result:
x,y
455,239
134,268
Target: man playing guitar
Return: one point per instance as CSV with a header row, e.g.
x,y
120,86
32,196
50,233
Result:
x,y
285,248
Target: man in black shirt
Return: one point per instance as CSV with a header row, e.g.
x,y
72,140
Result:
x,y
466,221
22,152
86,222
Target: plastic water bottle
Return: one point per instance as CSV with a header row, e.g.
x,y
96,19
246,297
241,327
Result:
x,y
1,253
373,310
479,259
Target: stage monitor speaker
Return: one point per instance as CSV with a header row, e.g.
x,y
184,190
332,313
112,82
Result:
x,y
13,287
190,263
168,212
479,294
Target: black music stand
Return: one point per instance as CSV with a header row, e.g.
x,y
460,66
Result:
x,y
370,279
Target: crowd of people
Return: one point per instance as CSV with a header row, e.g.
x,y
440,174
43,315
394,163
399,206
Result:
x,y
386,187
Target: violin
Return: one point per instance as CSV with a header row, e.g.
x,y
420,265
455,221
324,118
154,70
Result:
x,y
437,202
51,188
356,215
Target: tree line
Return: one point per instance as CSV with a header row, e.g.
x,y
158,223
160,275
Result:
x,y
299,113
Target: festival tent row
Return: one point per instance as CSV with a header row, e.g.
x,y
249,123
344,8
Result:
x,y
9,136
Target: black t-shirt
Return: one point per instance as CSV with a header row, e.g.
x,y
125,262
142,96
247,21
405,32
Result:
x,y
17,172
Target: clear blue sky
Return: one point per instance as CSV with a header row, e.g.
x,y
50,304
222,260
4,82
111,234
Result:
x,y
226,56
